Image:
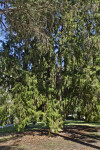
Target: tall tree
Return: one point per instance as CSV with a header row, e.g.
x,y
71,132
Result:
x,y
52,54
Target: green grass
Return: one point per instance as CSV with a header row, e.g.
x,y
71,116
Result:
x,y
31,126
11,129
40,125
78,122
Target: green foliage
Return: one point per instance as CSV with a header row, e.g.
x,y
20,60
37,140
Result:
x,y
53,116
5,100
26,101
50,64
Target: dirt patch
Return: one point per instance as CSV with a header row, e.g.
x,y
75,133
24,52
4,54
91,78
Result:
x,y
71,138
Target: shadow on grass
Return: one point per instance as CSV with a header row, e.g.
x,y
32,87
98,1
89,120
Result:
x,y
10,148
78,134
5,139
73,133
79,141
87,131
7,130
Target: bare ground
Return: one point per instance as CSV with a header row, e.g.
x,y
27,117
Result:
x,y
70,138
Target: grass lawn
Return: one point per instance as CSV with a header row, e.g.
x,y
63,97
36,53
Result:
x,y
78,122
76,135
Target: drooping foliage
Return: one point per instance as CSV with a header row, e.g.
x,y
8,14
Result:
x,y
50,62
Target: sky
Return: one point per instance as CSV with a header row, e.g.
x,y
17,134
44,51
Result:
x,y
3,31
2,37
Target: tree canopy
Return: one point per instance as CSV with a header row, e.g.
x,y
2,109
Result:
x,y
50,61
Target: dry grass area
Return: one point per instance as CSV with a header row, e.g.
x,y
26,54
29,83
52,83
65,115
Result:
x,y
71,138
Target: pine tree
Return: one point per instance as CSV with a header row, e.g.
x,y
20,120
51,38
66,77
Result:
x,y
50,62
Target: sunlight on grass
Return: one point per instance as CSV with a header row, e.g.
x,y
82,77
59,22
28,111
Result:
x,y
78,122
38,125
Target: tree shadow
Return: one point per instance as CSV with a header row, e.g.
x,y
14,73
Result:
x,y
72,133
5,139
82,127
10,148
83,131
81,134
78,141
78,134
